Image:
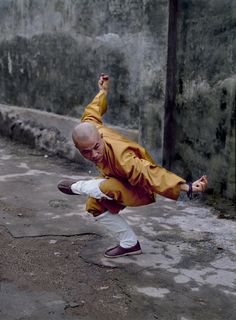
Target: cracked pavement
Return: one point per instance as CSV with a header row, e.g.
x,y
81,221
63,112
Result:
x,y
51,252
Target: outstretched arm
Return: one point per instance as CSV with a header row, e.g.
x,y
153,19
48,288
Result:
x,y
151,177
95,110
156,179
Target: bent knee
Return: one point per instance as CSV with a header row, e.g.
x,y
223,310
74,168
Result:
x,y
94,207
97,207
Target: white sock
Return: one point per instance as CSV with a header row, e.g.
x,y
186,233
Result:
x,y
118,226
89,187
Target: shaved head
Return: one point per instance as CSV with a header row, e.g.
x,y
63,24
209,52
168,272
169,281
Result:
x,y
88,141
83,132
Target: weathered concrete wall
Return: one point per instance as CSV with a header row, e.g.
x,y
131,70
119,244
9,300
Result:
x,y
51,53
47,131
204,128
180,86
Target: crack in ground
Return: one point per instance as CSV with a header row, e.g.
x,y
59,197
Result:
x,y
123,291
51,235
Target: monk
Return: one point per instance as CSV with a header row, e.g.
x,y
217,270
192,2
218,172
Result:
x,y
129,176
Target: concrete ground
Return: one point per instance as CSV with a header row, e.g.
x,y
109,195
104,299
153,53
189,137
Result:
x,y
51,253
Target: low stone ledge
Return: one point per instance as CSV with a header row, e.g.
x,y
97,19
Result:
x,y
46,131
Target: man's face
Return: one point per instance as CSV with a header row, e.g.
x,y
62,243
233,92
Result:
x,y
92,149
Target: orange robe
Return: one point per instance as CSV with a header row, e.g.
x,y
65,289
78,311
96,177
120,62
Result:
x,y
129,162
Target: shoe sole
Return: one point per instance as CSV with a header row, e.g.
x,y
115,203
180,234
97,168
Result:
x,y
124,254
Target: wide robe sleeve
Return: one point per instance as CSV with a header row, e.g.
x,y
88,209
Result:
x,y
151,177
95,110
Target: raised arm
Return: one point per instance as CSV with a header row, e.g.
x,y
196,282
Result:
x,y
95,110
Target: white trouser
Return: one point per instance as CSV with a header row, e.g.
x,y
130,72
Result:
x,y
113,222
90,188
119,227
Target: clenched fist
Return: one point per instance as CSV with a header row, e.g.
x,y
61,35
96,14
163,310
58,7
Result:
x,y
103,83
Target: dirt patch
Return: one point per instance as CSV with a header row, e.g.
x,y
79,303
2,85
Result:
x,y
14,210
54,264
